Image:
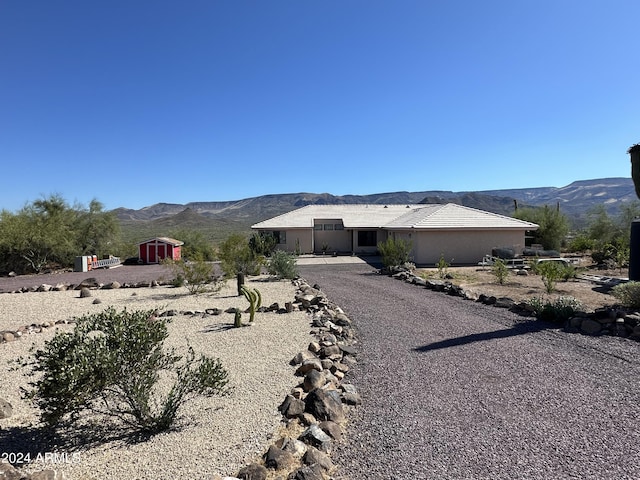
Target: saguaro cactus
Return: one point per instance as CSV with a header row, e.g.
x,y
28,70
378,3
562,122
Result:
x,y
254,298
634,151
634,250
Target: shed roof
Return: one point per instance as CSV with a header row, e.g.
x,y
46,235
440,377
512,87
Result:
x,y
170,241
425,217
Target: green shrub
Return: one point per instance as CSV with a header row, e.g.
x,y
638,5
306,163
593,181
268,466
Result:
x,y
582,243
395,252
197,274
628,294
282,264
263,243
110,364
443,267
550,272
557,310
236,257
500,271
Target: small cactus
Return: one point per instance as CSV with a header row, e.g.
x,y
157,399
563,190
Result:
x,y
254,298
237,320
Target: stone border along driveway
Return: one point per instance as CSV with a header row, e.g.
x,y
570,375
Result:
x,y
314,411
603,321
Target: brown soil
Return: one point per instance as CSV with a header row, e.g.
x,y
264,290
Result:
x,y
522,288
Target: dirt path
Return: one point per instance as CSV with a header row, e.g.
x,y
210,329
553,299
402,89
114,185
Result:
x,y
122,274
455,389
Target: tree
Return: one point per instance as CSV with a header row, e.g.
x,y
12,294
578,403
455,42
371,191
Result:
x,y
237,257
49,232
196,246
553,225
97,232
262,243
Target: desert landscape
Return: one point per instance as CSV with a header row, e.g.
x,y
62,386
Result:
x,y
521,288
215,435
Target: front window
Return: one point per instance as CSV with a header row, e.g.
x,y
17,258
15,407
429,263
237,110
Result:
x,y
367,238
280,236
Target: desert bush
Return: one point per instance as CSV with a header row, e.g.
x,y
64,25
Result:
x,y
581,244
556,310
197,274
550,272
628,294
500,271
282,264
263,243
395,252
443,267
237,257
110,364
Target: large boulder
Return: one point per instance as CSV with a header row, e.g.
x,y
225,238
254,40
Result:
x,y
292,407
325,405
316,437
278,459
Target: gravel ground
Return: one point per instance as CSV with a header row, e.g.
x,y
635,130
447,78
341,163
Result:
x,y
454,389
219,435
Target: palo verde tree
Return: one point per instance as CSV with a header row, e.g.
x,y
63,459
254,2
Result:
x,y
196,245
236,257
50,232
553,225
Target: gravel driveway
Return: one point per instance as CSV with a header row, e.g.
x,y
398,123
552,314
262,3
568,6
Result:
x,y
122,274
456,389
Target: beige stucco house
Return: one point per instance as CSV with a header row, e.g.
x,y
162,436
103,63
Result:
x,y
462,235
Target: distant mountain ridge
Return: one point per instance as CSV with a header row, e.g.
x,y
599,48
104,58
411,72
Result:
x,y
575,200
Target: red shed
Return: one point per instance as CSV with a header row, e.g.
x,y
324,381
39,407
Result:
x,y
156,249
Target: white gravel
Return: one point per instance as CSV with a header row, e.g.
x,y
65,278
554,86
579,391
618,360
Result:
x,y
220,434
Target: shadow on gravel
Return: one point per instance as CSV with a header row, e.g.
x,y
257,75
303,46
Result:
x,y
27,443
518,329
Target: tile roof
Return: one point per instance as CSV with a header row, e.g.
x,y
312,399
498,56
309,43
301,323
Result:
x,y
454,217
426,217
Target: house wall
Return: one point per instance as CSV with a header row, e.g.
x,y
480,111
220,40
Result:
x,y
460,247
296,238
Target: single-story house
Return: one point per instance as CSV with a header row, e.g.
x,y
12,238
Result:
x,y
461,235
156,249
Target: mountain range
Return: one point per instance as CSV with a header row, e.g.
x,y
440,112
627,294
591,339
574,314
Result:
x,y
574,200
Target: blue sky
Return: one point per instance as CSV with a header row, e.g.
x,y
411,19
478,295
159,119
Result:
x,y
134,103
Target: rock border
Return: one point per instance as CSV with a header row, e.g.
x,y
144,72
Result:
x,y
611,320
315,411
